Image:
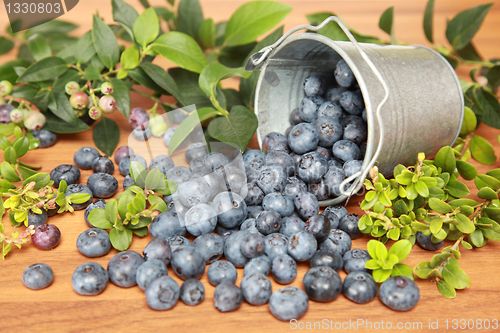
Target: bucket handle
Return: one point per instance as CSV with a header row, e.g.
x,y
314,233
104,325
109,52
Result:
x,y
259,57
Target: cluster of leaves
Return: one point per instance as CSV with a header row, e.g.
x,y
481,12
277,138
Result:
x,y
385,264
204,52
429,198
134,209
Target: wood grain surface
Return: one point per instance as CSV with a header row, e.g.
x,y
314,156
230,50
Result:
x,y
59,309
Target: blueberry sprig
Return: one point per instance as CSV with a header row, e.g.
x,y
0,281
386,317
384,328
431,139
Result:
x,y
385,264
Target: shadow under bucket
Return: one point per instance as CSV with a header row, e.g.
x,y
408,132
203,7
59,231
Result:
x,y
413,98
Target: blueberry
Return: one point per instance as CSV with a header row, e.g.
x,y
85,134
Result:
x,y
334,220
355,260
138,118
296,157
274,141
329,129
333,179
319,226
426,242
211,246
327,258
322,284
102,185
362,148
46,236
337,241
351,167
128,181
162,293
192,292
349,224
252,245
221,271
279,203
295,117
314,86
46,137
5,110
255,195
284,269
123,166
330,109
234,180
268,222
253,159
167,136
276,244
336,165
178,241
355,133
309,108
188,263
294,186
352,120
304,137
85,156
122,268
250,225
232,248
89,279
122,152
306,205
231,209
215,161
352,102
343,74
282,158
291,225
399,293
199,171
159,249
193,192
141,134
359,287
35,219
79,189
200,219
326,152
271,178
162,163
93,243
178,174
224,232
98,203
253,211
346,150
148,271
333,94
227,297
339,211
38,276
302,245
67,172
319,190
256,289
261,265
312,167
166,225
288,303
103,164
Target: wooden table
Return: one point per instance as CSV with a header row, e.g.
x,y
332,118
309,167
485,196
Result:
x,y
59,308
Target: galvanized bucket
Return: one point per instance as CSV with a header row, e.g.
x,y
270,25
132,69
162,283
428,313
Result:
x,y
413,98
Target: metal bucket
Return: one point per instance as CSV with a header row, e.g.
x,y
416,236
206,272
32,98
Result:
x,y
413,98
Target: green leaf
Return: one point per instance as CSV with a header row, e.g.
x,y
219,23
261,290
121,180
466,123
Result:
x,y
466,170
464,26
191,122
489,181
26,172
207,33
470,122
169,188
138,173
44,69
57,125
380,275
401,249
105,43
488,102
182,50
386,23
466,245
5,45
122,95
7,70
21,146
141,232
106,135
97,218
79,198
40,179
493,77
487,193
39,47
187,83
436,225
332,30
190,17
423,270
8,172
154,178
159,202
63,109
50,28
146,27
459,202
428,20
439,258
162,79
85,48
421,189
457,189
402,270
254,19
439,206
10,155
372,264
111,211
120,239
125,14
455,276
91,73
445,159
238,128
446,290
215,72
130,57
465,225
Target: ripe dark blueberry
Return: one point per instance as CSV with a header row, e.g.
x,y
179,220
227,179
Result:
x,y
333,179
355,260
158,248
232,249
355,133
148,271
162,162
276,244
349,224
261,265
330,109
67,172
284,269
230,208
234,180
302,246
166,225
362,148
89,279
309,108
141,134
122,152
352,120
334,220
333,94
338,210
79,189
351,167
352,102
103,164
253,211
122,268
274,141
346,150
187,262
85,156
314,86
249,225
289,303
359,287
294,117
98,203
5,110
195,150
312,167
46,138
327,153
281,158
255,195
215,161
178,241
93,243
319,226
123,166
330,131
335,165
306,205
337,241
399,293
426,242
102,185
271,178
343,74
128,181
178,174
221,271
38,276
268,222
193,192
253,245
253,159
327,258
291,225
256,289
46,237
138,118
162,293
35,219
278,202
304,137
319,190
294,186
200,219
322,284
224,232
211,246
192,292
227,297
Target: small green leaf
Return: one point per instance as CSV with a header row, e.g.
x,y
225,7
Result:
x,y
428,20
159,202
464,26
423,270
97,218
5,45
187,83
190,17
470,121
446,290
111,211
445,159
79,198
120,239
386,23
457,189
466,170
130,57
459,202
371,247
466,245
455,276
91,73
153,179
143,221
138,173
162,79
39,47
380,275
106,135
10,155
438,259
63,186
422,188
122,95
189,124
123,201
146,27
402,270
207,33
477,238
105,43
490,181
238,128
465,225
44,69
482,150
57,125
401,249
488,102
487,193
436,225
62,108
125,14
439,206
8,172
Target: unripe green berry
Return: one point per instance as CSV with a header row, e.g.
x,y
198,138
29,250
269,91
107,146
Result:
x,y
79,100
79,113
5,88
107,104
107,88
95,112
17,115
71,87
34,120
159,129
